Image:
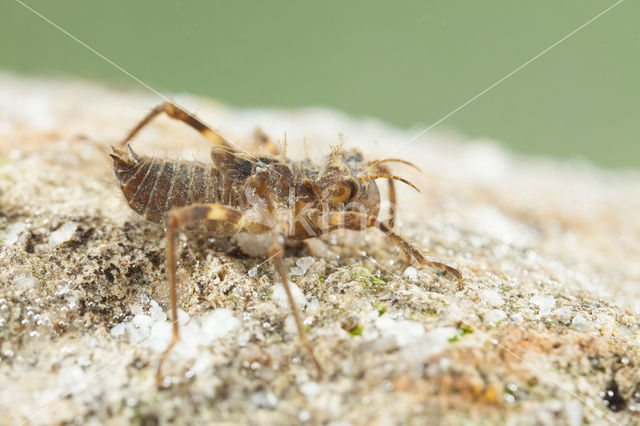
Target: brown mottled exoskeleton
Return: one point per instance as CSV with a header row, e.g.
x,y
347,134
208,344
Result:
x,y
294,200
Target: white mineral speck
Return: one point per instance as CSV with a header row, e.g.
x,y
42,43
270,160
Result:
x,y
73,378
444,364
302,266
411,273
280,295
305,262
253,272
25,281
310,389
63,234
430,344
156,313
580,322
404,332
492,297
136,309
563,314
517,317
290,325
142,321
218,324
118,330
13,232
545,303
494,316
304,416
370,333
138,334
573,412
203,363
160,336
264,400
183,317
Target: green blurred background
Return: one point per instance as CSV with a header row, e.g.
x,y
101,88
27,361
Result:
x,y
409,63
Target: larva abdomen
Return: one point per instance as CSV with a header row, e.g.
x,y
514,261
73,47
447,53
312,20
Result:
x,y
155,186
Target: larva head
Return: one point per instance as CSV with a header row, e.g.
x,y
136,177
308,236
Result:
x,y
341,188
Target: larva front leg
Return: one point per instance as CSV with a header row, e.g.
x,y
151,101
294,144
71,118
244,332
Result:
x,y
359,221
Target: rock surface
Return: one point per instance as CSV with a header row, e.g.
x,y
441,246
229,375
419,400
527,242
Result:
x,y
544,330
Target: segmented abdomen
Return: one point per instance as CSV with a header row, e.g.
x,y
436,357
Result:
x,y
154,186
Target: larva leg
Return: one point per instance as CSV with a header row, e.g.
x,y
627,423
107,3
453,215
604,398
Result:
x,y
177,113
380,169
359,221
275,252
177,218
392,195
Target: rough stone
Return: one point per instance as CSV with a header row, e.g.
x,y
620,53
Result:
x,y
554,246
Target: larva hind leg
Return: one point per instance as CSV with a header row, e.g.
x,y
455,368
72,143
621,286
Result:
x,y
177,113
